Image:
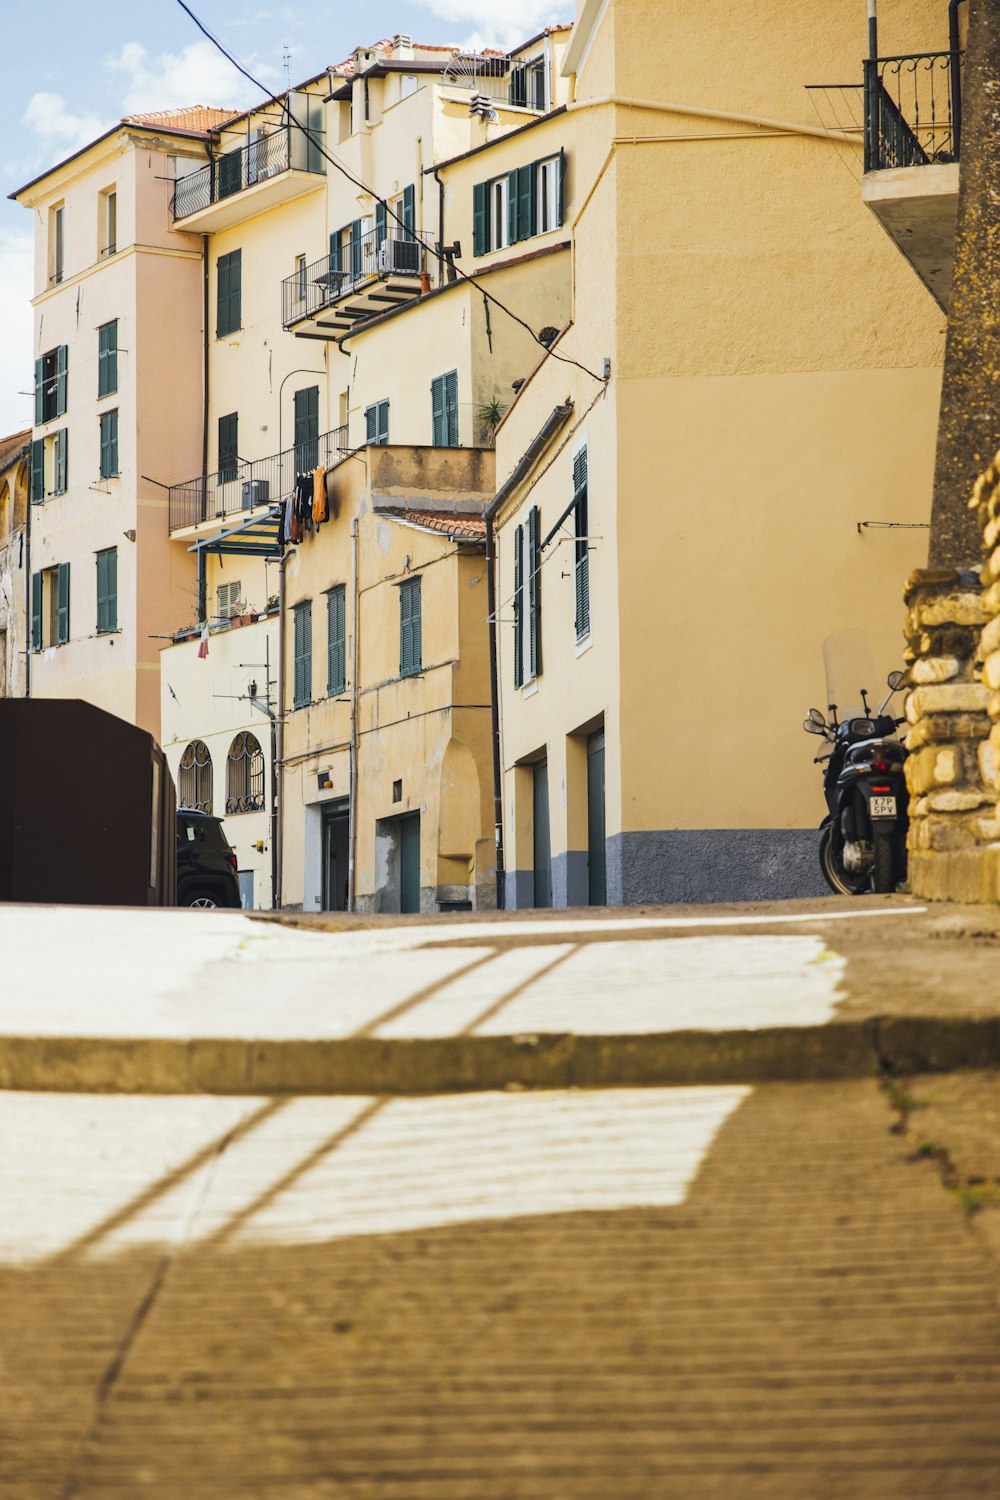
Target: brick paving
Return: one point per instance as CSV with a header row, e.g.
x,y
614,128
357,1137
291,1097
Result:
x,y
743,1294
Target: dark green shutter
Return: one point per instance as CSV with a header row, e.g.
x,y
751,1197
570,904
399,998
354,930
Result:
x,y
107,590
107,359
230,173
39,392
534,594
337,640
562,186
61,446
62,606
371,424
409,210
228,447
382,422
37,471
307,429
480,218
355,241
380,224
409,628
229,289
523,182
451,404
62,365
109,444
512,221
439,426
303,655
36,611
518,606
519,86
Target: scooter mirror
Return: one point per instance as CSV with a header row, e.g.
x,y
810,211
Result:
x,y
895,680
811,727
817,718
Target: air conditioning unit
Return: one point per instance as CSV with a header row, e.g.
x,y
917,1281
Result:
x,y
255,492
400,257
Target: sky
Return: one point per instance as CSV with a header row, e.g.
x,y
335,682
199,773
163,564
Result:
x,y
74,70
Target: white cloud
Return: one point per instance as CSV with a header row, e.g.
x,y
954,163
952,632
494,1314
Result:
x,y
51,118
494,26
16,285
198,75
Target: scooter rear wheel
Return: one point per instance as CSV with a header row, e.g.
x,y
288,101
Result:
x,y
831,862
883,873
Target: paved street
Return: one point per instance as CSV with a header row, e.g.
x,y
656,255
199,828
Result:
x,y
747,1289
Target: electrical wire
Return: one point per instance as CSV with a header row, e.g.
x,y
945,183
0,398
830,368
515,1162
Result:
x,y
310,135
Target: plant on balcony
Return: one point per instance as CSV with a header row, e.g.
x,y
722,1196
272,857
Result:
x,y
489,415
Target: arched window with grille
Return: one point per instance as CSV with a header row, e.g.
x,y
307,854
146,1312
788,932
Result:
x,y
245,775
194,788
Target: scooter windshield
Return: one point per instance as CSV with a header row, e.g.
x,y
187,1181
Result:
x,y
850,666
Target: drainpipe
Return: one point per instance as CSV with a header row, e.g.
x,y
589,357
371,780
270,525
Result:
x,y
278,843
27,587
872,31
954,46
205,360
491,597
440,243
352,818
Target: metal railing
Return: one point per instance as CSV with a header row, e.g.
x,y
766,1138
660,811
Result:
x,y
245,484
265,156
499,80
392,252
912,110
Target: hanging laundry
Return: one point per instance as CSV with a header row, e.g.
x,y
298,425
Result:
x,y
319,510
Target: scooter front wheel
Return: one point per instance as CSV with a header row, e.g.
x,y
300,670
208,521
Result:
x,y
831,862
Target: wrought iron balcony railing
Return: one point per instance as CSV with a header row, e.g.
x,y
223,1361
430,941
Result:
x,y
245,484
499,79
376,255
912,110
232,172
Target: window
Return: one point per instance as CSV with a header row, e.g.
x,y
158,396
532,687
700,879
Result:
x,y
410,644
229,302
107,223
307,429
107,590
57,243
229,457
377,423
60,453
245,775
527,600
229,174
408,86
303,655
51,378
581,565
194,784
109,444
528,201
107,359
302,276
444,410
50,607
230,599
336,659
527,84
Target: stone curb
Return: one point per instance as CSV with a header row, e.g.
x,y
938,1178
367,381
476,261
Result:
x,y
370,1066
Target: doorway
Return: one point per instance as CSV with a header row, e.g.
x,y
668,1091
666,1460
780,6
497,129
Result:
x,y
597,883
336,856
542,847
409,863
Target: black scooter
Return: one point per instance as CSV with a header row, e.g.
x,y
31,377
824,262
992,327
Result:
x,y
863,836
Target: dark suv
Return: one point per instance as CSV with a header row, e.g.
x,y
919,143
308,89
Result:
x,y
206,863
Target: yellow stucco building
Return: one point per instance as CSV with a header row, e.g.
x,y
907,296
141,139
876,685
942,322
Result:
x,y
726,457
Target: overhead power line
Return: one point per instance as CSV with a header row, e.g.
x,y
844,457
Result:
x,y
566,359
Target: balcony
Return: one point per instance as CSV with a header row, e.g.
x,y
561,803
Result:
x,y
249,485
504,83
368,275
271,169
909,110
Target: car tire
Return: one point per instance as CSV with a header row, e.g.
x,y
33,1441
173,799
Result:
x,y
202,900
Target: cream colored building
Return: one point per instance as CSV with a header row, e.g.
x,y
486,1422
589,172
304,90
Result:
x,y
118,410
742,466
15,553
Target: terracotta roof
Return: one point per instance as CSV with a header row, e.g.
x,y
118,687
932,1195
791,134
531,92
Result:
x,y
194,117
9,446
467,527
388,45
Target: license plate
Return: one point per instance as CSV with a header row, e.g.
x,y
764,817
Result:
x,y
883,807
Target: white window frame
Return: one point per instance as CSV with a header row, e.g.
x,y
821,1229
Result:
x,y
547,195
499,213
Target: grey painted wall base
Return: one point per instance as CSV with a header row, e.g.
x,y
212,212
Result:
x,y
519,889
569,879
669,866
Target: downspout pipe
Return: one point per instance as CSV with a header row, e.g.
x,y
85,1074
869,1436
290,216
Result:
x,y
491,595
352,791
279,757
28,643
872,31
441,266
955,47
